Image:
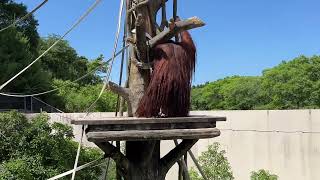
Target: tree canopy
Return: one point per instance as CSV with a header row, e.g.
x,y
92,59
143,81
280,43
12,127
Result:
x,y
21,44
63,62
18,47
290,85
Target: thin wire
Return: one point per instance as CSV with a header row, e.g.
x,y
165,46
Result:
x,y
61,38
78,169
113,57
48,104
271,131
55,89
104,85
25,16
77,156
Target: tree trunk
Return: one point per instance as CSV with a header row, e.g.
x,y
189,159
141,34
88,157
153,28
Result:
x,y
144,156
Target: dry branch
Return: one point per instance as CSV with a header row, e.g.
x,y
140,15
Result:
x,y
138,5
167,34
123,92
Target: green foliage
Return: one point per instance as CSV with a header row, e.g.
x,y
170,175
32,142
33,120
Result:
x,y
21,44
73,97
263,175
10,11
38,150
230,93
18,48
290,85
15,54
63,62
214,164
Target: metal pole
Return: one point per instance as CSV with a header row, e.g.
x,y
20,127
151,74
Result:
x,y
184,166
197,164
31,104
25,104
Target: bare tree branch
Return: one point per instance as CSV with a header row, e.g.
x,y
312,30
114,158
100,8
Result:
x,y
138,5
179,26
123,92
112,152
174,155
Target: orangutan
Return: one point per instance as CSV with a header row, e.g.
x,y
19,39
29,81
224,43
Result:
x,y
168,93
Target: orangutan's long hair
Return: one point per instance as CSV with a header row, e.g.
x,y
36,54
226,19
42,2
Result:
x,y
168,93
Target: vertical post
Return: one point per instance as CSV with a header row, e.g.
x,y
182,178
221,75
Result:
x,y
183,169
25,104
118,176
197,164
175,9
31,104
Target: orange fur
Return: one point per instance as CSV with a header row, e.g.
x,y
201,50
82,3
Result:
x,y
169,90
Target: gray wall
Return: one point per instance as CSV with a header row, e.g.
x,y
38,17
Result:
x,y
278,141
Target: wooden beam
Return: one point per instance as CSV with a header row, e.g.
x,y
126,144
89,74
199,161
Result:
x,y
151,126
143,135
174,155
112,152
135,120
167,34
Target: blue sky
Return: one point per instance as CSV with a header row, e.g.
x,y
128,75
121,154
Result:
x,y
240,37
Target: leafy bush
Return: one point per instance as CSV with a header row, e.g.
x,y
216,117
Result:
x,y
38,150
214,164
73,97
263,175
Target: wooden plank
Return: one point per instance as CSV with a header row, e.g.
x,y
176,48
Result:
x,y
137,135
153,126
134,120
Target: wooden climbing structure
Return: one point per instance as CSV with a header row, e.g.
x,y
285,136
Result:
x,y
143,129
142,136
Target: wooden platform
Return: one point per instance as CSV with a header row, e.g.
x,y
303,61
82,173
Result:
x,y
135,129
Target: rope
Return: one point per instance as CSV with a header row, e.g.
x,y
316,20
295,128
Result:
x,y
113,56
25,16
78,154
47,104
54,44
78,169
55,89
104,85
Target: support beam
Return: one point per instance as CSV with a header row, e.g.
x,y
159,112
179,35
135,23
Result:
x,y
182,164
112,152
174,155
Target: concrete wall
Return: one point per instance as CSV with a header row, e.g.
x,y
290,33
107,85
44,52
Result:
x,y
278,141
